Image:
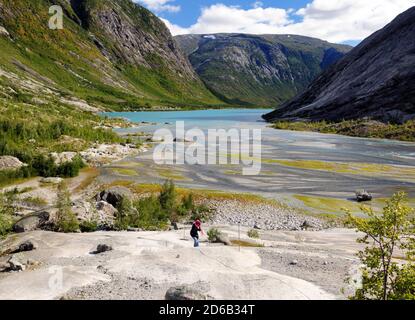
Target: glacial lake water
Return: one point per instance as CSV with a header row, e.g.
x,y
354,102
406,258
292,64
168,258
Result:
x,y
300,167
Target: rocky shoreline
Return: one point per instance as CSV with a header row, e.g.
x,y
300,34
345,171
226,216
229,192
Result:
x,y
263,216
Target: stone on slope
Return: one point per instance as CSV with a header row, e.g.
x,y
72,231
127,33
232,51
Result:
x,y
32,222
15,264
114,195
186,293
363,196
101,248
10,163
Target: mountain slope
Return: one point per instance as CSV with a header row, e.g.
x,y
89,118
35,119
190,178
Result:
x,y
261,70
376,80
112,54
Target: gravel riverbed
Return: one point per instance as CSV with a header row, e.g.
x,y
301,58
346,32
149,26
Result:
x,y
262,216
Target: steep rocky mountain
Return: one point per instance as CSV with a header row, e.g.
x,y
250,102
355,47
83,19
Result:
x,y
261,70
376,80
110,53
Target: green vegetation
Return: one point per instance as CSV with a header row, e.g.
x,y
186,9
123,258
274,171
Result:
x,y
253,234
402,173
246,244
35,201
88,226
327,205
89,176
155,212
125,172
30,133
355,128
384,234
213,234
71,61
172,175
217,63
6,214
200,196
66,220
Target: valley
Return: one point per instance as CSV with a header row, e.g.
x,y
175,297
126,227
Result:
x,y
89,210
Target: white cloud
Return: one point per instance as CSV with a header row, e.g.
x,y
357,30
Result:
x,y
160,5
221,18
175,29
258,4
344,20
332,20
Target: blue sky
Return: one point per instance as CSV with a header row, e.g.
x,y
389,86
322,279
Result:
x,y
191,9
338,21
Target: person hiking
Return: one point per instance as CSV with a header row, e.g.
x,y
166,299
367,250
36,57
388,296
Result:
x,y
194,233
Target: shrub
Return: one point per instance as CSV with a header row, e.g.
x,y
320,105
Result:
x,y
201,212
384,233
188,202
152,216
168,197
89,226
66,220
253,234
70,169
125,215
154,213
213,234
6,215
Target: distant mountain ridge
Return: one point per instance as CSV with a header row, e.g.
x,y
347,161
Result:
x,y
375,80
260,70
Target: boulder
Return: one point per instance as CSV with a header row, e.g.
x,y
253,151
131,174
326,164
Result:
x,y
175,226
10,163
4,266
4,32
101,248
114,195
106,209
15,264
363,196
223,238
25,246
32,222
102,213
63,157
306,225
16,248
185,293
294,263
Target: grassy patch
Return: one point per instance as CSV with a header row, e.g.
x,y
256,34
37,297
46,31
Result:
x,y
247,244
35,201
401,173
172,175
200,195
125,172
90,175
327,205
130,164
355,128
